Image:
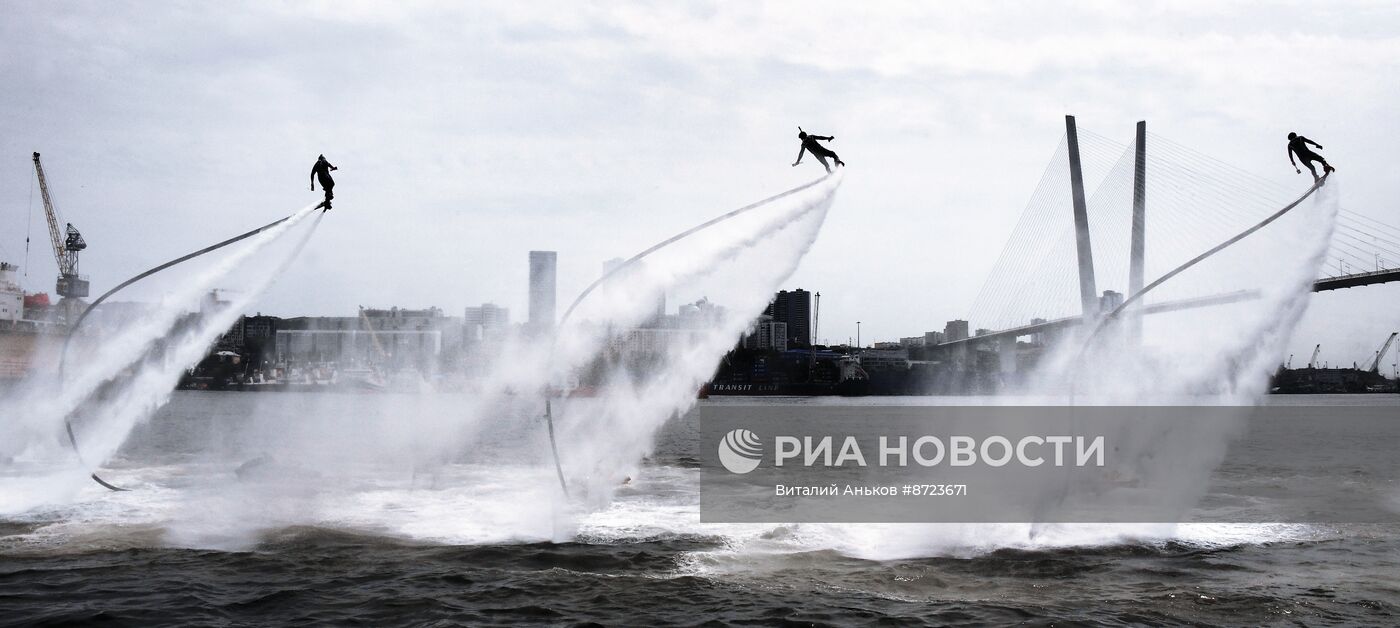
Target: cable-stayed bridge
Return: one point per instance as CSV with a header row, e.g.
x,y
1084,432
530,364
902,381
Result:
x,y
1106,218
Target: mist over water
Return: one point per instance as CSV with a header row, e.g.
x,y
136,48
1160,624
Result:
x,y
1218,356
107,387
1210,356
416,465
475,467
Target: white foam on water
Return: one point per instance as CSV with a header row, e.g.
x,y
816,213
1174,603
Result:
x,y
479,472
1224,357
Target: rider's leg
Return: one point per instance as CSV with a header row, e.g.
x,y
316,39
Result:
x,y
1308,164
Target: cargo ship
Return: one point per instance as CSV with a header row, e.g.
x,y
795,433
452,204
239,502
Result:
x,y
29,337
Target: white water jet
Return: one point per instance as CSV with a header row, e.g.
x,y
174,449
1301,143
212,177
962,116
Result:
x,y
481,469
1222,357
133,371
479,472
607,437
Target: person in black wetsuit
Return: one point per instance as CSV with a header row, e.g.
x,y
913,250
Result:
x,y
322,170
810,145
1298,145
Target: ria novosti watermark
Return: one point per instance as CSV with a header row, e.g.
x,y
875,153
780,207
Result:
x,y
924,451
780,463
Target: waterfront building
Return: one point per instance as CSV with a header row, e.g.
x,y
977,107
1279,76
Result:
x,y
484,322
11,295
955,330
543,268
795,309
767,334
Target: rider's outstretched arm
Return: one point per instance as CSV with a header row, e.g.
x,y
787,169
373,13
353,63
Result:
x,y
1312,142
824,138
802,150
1290,158
313,179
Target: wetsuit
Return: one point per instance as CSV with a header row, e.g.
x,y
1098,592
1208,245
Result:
x,y
322,172
810,145
1299,146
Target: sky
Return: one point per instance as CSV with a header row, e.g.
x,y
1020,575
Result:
x,y
468,134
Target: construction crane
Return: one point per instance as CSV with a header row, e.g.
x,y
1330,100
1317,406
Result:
x,y
66,245
1312,362
1375,366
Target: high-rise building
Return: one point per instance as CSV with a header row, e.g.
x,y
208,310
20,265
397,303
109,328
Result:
x,y
955,330
767,334
1110,301
795,309
542,289
486,321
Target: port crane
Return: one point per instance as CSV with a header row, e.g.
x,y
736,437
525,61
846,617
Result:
x,y
1375,366
1312,362
66,245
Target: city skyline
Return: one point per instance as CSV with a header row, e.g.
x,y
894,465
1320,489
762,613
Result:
x,y
944,150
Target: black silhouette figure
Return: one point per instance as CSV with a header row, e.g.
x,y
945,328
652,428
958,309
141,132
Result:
x,y
1298,145
810,145
322,170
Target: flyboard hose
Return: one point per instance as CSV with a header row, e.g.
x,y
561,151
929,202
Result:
x,y
1113,315
63,356
548,406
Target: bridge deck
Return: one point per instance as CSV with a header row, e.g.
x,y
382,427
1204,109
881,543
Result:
x,y
1357,279
1322,285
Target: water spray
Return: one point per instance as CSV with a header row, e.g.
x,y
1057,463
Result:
x,y
1113,315
548,406
72,329
1064,490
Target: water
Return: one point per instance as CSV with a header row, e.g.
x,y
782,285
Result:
x,y
481,539
410,508
738,260
117,377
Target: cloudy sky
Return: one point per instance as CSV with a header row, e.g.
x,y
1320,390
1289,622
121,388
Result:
x,y
468,134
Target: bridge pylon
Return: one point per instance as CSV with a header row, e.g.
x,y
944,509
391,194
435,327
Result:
x,y
1088,291
1138,245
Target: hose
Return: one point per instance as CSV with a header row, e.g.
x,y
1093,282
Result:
x,y
548,407
72,329
1113,315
